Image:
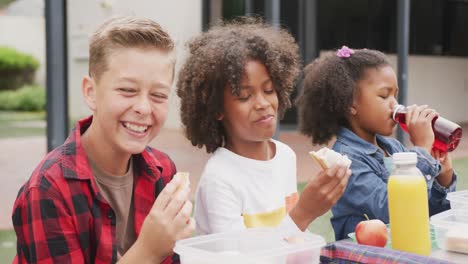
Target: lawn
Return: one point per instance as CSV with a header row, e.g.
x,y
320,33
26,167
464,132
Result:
x,y
22,124
7,246
461,167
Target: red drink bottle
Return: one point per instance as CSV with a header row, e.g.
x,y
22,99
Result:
x,y
447,133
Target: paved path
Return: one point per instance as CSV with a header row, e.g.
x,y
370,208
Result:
x,y
19,156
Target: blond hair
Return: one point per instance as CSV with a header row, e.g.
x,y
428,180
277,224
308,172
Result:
x,y
124,32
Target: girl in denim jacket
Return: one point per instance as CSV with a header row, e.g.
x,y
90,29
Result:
x,y
350,95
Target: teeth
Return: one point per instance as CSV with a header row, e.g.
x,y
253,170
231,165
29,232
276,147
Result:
x,y
136,128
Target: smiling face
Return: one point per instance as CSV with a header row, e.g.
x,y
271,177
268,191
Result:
x,y
251,116
373,103
130,99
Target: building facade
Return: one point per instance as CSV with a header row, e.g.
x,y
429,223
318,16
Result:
x,y
438,53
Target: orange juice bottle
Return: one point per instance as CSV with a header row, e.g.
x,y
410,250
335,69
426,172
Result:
x,y
408,206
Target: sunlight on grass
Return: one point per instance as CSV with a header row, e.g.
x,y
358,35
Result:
x,y
7,246
21,116
21,124
461,167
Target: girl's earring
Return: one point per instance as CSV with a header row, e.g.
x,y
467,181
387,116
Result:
x,y
220,117
353,111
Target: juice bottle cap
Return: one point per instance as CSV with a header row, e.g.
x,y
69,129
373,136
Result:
x,y
405,158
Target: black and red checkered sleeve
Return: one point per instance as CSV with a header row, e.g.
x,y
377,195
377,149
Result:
x,y
45,228
168,166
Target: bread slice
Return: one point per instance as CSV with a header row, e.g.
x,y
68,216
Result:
x,y
185,180
326,158
456,239
318,159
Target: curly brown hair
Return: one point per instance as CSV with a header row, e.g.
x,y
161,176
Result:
x,y
328,89
217,58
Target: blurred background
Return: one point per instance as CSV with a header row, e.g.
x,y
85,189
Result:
x,y
44,55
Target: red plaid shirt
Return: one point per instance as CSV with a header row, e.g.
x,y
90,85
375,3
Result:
x,y
60,216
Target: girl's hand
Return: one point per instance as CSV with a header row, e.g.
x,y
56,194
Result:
x,y
446,173
419,123
320,194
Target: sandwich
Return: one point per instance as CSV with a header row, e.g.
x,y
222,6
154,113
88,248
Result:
x,y
456,239
326,158
185,183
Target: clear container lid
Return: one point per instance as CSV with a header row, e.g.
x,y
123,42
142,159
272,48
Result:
x,y
253,245
404,158
458,197
450,218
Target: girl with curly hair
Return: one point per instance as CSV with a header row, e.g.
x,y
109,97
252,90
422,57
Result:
x,y
234,85
350,95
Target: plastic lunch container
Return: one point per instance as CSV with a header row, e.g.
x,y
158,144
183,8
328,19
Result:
x,y
451,230
254,245
458,200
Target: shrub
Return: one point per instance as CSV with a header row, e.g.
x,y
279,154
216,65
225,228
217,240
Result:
x,y
4,3
16,68
28,98
11,59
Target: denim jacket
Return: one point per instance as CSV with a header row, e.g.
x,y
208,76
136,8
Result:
x,y
366,192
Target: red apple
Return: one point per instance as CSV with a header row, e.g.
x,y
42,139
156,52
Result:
x,y
372,232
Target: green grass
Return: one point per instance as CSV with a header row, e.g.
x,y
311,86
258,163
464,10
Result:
x,y
21,124
7,246
323,227
12,116
4,3
461,167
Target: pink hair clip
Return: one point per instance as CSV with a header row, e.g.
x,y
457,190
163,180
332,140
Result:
x,y
344,52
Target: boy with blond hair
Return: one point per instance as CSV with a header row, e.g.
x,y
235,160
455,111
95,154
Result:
x,y
104,195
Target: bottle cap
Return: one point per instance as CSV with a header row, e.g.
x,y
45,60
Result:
x,y
405,158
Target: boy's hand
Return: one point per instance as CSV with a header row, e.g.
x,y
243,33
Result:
x,y
169,220
320,194
446,173
419,123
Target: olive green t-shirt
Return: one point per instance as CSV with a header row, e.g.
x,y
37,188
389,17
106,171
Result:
x,y
118,192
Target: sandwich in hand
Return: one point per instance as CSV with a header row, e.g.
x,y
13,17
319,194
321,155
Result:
x,y
185,180
326,158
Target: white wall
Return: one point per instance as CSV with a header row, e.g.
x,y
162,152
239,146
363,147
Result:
x,y
26,34
440,82
182,18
